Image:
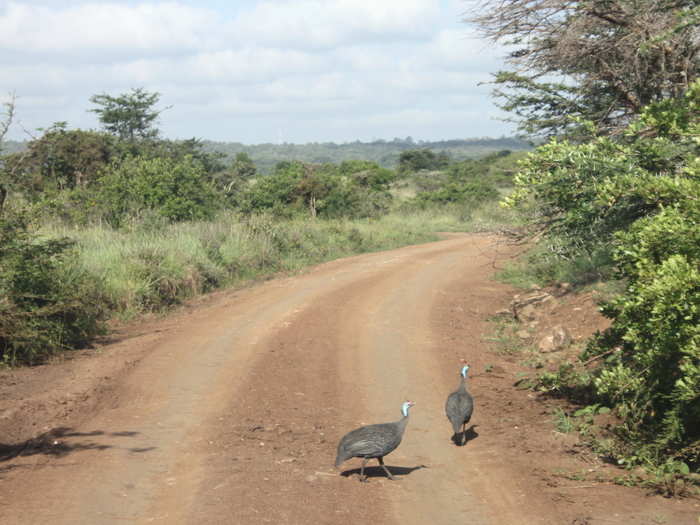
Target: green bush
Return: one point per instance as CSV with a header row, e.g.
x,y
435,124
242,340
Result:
x,y
637,198
411,161
457,192
47,303
298,189
175,189
60,159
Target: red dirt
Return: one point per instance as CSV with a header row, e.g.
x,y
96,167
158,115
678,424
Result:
x,y
229,411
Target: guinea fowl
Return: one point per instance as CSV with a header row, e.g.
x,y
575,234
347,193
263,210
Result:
x,y
373,441
459,406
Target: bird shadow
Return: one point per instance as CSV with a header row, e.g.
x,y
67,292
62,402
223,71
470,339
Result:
x,y
378,472
469,434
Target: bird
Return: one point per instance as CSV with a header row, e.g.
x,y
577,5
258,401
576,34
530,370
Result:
x,y
373,441
460,405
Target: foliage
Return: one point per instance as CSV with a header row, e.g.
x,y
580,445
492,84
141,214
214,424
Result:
x,y
469,183
177,190
5,123
129,116
211,162
368,174
654,380
421,159
382,152
589,191
47,304
150,269
463,192
60,159
597,60
316,190
243,166
637,197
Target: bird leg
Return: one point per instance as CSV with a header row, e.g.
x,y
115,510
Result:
x,y
362,470
381,462
464,433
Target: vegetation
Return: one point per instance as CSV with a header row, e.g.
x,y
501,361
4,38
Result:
x,y
129,116
47,304
385,153
597,60
135,223
634,197
614,85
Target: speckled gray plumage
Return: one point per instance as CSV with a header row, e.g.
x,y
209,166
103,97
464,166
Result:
x,y
459,408
373,441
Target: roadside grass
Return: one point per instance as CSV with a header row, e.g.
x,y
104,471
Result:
x,y
150,267
540,266
503,338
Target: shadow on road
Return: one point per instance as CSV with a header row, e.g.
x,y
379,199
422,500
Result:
x,y
61,442
469,434
378,472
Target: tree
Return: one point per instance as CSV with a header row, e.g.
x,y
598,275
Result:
x,y
130,116
243,166
413,160
61,158
598,60
176,189
5,124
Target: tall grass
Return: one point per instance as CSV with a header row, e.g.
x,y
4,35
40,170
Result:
x,y
150,268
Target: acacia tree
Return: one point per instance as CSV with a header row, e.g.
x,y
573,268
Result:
x,y
130,116
598,60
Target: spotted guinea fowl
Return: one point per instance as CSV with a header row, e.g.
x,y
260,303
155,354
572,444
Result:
x,y
459,406
373,441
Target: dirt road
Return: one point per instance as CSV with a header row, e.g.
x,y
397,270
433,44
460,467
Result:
x,y
230,412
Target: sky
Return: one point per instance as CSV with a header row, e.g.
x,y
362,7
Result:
x,y
255,71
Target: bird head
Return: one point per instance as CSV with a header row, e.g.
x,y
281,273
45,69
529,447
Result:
x,y
406,406
464,371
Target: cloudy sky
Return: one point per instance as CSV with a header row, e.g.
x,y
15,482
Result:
x,y
255,71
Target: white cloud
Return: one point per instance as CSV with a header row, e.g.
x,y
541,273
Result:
x,y
318,70
92,28
331,23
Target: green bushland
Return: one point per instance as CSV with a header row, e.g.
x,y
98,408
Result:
x,y
631,204
97,224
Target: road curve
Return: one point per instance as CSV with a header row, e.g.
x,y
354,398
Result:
x,y
233,414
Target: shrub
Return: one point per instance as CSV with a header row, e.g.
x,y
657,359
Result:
x,y
175,189
47,303
296,188
638,198
414,160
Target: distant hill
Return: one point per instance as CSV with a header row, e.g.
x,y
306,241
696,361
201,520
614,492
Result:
x,y
384,152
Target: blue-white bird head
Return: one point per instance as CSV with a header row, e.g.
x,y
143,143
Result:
x,y
406,406
464,371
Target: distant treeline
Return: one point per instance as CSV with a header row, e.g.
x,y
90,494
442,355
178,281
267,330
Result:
x,y
383,152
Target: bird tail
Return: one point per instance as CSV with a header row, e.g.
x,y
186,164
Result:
x,y
339,459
